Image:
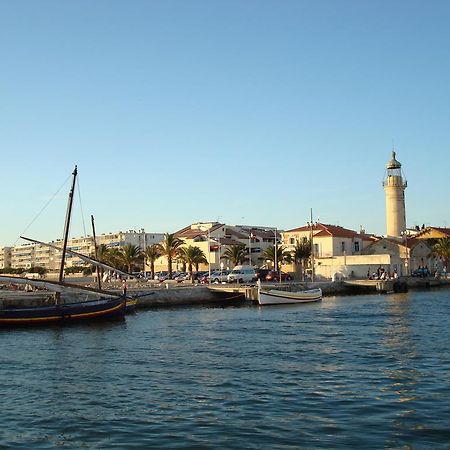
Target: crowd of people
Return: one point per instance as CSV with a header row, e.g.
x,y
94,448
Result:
x,y
382,274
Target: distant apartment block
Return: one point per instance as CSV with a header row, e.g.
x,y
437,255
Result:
x,y
31,255
5,257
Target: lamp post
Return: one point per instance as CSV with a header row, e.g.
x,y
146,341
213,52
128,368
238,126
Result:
x,y
220,261
209,260
250,248
405,236
312,248
145,245
275,251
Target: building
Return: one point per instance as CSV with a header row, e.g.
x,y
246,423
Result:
x,y
5,257
328,240
213,238
37,255
394,187
432,233
336,250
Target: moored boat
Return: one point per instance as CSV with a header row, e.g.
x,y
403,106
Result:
x,y
277,297
104,305
102,309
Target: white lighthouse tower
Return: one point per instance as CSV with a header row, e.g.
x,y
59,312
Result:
x,y
394,187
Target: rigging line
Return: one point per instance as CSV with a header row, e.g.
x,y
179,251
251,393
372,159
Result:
x,y
43,209
81,207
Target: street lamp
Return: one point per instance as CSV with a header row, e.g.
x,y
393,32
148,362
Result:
x,y
209,260
405,236
250,248
275,251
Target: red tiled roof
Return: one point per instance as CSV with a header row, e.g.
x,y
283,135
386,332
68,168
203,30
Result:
x,y
330,230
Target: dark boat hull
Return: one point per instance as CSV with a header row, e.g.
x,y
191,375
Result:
x,y
72,312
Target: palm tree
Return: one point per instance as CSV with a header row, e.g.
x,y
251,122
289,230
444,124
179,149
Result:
x,y
191,256
441,249
168,247
129,255
115,258
269,255
151,254
235,254
105,255
300,254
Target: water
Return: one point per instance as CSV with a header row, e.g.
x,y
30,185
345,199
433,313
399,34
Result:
x,y
349,372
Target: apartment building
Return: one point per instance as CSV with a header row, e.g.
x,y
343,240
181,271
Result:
x,y
5,257
37,255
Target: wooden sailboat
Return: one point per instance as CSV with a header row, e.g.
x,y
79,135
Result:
x,y
107,305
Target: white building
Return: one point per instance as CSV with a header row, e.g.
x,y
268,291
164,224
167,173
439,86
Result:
x,y
36,255
5,257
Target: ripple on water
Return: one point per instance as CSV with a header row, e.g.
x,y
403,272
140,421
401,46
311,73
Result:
x,y
351,372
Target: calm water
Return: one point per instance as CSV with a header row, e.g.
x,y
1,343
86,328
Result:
x,y
349,372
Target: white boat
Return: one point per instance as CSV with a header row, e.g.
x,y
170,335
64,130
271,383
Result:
x,y
277,297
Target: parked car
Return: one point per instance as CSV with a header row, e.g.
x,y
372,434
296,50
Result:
x,y
161,276
203,278
261,274
199,274
219,276
275,276
242,274
421,272
182,276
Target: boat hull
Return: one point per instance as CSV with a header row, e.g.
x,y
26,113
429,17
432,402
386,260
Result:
x,y
275,297
103,309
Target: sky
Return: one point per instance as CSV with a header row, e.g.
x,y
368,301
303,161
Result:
x,y
244,112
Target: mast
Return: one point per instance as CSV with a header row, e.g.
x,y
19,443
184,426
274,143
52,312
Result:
x,y
312,247
96,253
67,224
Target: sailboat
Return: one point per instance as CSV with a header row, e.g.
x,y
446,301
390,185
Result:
x,y
67,307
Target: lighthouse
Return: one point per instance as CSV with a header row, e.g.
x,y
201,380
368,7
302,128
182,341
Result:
x,y
394,187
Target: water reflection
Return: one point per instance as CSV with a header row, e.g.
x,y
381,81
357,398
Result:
x,y
350,372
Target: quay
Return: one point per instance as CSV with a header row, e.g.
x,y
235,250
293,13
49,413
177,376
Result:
x,y
175,294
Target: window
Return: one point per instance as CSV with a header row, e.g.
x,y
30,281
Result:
x,y
357,246
342,246
292,241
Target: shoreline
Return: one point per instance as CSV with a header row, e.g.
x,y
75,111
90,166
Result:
x,y
170,294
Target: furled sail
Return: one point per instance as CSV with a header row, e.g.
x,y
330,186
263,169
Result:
x,y
55,286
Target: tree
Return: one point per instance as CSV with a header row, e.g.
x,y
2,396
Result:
x,y
37,269
269,255
191,256
129,255
111,256
168,248
441,249
151,254
235,254
300,255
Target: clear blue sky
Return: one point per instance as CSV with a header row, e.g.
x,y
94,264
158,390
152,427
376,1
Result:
x,y
239,111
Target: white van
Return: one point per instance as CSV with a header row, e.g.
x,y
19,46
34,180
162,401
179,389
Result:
x,y
242,274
